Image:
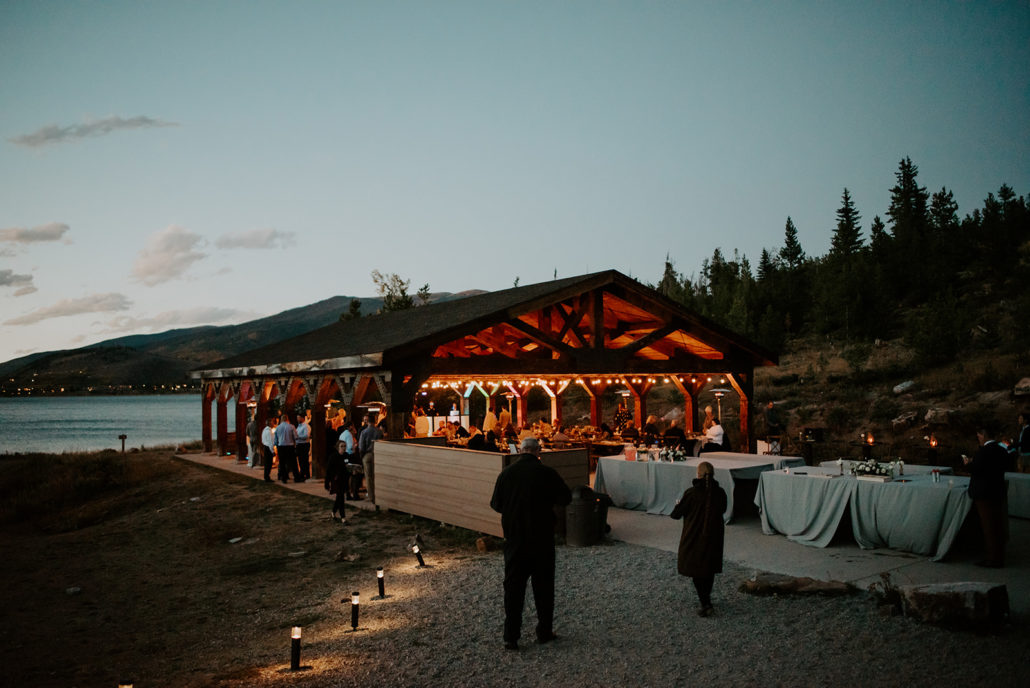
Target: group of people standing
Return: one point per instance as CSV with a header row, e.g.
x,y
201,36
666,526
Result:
x,y
282,443
350,460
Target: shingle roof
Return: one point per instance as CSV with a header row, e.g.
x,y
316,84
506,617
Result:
x,y
386,331
409,330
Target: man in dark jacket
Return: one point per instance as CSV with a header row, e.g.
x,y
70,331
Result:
x,y
987,489
525,495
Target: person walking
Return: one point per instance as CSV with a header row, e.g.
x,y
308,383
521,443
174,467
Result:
x,y
366,448
988,491
525,495
703,534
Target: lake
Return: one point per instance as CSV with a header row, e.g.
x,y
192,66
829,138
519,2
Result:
x,y
68,424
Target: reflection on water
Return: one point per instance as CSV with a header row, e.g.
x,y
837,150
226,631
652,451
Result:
x,y
63,424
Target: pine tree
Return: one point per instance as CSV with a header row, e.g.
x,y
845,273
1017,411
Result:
x,y
791,253
847,238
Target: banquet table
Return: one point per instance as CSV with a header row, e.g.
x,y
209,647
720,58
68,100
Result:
x,y
1019,494
912,514
656,486
910,468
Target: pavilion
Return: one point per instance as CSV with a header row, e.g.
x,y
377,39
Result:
x,y
591,332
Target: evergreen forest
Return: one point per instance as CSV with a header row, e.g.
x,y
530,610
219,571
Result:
x,y
921,273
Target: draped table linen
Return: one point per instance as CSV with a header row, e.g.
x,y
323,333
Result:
x,y
912,514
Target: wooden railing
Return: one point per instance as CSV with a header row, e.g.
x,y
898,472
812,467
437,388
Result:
x,y
454,486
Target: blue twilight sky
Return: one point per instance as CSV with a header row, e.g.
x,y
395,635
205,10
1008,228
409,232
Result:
x,y
183,163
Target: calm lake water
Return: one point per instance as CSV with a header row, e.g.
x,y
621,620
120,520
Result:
x,y
65,424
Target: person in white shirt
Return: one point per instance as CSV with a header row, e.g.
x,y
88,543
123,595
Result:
x,y
714,437
268,448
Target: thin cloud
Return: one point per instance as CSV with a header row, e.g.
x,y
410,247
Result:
x,y
95,303
167,255
8,278
203,315
52,231
52,133
256,238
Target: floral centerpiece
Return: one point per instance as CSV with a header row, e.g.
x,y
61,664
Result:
x,y
873,470
673,454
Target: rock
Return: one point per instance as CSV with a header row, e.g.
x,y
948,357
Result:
x,y
1022,388
74,590
903,421
777,584
965,603
936,416
234,540
904,387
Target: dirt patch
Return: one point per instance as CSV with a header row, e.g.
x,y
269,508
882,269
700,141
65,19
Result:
x,y
178,575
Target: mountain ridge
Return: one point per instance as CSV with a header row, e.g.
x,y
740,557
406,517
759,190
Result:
x,y
161,361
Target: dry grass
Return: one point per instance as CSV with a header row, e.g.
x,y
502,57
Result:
x,y
122,566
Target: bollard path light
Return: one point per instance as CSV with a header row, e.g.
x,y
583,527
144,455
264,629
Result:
x,y
354,610
418,555
295,649
382,584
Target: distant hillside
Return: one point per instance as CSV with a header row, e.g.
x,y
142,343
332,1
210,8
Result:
x,y
161,361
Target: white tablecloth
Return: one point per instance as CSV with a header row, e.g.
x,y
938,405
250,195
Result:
x,y
656,486
910,468
914,514
1019,494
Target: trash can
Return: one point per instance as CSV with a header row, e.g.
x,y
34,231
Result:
x,y
581,518
603,502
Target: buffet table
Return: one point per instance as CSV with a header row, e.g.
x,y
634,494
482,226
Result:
x,y
912,514
1019,494
656,486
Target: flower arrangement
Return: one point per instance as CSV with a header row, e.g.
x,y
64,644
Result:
x,y
673,454
873,467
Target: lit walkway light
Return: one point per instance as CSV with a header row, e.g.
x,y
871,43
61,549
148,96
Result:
x,y
354,610
418,555
382,583
295,649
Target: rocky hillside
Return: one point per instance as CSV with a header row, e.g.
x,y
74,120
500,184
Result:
x,y
820,384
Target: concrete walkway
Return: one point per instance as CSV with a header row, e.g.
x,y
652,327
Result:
x,y
746,545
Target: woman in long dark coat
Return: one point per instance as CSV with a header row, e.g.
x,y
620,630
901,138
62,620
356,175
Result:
x,y
701,542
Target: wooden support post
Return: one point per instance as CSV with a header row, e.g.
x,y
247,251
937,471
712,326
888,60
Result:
x,y
205,417
222,428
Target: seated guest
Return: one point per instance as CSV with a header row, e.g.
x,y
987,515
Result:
x,y
650,431
630,433
604,432
674,436
443,430
477,440
714,438
509,433
458,430
559,436
545,427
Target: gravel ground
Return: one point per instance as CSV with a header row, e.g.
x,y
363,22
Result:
x,y
625,618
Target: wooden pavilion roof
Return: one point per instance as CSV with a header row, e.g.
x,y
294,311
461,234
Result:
x,y
595,323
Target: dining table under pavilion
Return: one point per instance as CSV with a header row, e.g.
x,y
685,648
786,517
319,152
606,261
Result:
x,y
591,332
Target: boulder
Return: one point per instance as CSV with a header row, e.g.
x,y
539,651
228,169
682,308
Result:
x,y
904,387
937,416
1022,388
963,603
777,584
903,421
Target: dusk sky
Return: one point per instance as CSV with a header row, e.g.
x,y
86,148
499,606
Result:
x,y
189,163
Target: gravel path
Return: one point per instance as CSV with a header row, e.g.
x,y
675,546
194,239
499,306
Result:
x,y
624,618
